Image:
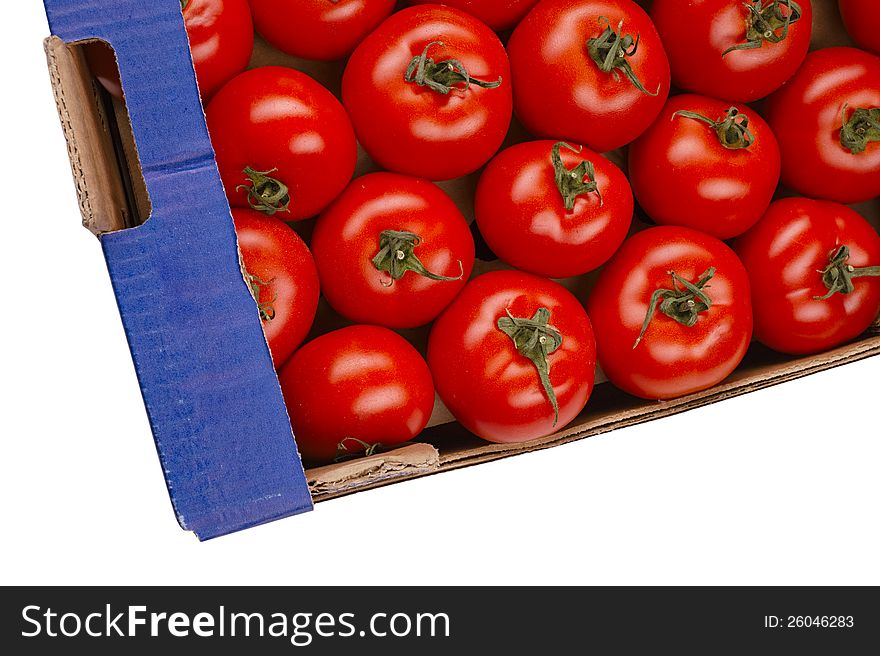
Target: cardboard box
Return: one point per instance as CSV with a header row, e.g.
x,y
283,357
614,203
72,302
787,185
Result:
x,y
149,188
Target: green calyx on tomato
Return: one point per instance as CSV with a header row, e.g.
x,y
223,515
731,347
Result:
x,y
397,255
183,4
838,275
346,451
732,130
443,76
682,305
862,128
361,448
610,50
572,183
265,194
256,284
535,339
765,19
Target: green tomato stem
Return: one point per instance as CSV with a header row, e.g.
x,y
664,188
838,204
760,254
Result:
x,y
838,275
535,339
611,50
443,76
265,194
343,452
575,182
352,447
862,128
256,284
765,20
732,129
397,255
683,302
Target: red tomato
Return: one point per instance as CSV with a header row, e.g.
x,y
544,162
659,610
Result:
x,y
429,93
827,121
392,250
355,389
513,357
741,50
102,63
815,271
497,14
672,313
707,165
591,71
553,209
221,38
318,29
283,142
861,18
283,279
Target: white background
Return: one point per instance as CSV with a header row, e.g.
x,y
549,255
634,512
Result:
x,y
777,487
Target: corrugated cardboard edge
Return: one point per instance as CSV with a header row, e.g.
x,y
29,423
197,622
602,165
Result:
x,y
102,200
55,48
379,469
326,482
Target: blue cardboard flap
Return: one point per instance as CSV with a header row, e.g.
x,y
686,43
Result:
x,y
211,392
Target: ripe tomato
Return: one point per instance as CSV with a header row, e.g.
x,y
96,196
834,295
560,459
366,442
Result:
x,y
102,63
429,93
672,313
815,272
591,71
355,389
552,208
513,357
827,121
740,50
318,29
706,165
283,279
392,250
221,38
497,14
283,142
861,18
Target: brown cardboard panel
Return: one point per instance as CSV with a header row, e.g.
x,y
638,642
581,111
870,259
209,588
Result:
x,y
90,134
132,177
609,409
371,471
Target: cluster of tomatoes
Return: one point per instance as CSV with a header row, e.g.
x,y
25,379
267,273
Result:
x,y
429,92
